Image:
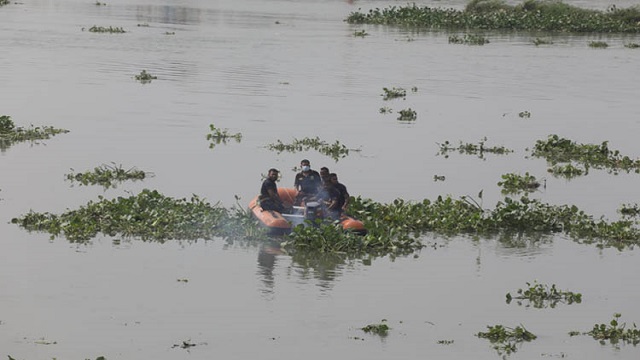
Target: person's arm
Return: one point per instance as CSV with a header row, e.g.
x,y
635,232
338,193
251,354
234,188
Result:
x,y
347,197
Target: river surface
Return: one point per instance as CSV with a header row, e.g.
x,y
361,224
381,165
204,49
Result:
x,y
283,70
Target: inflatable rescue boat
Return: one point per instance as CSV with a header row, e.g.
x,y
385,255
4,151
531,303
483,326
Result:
x,y
279,223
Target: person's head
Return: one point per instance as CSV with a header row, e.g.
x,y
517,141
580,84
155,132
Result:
x,y
333,177
305,165
324,171
273,174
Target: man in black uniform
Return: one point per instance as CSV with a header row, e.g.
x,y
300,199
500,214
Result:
x,y
307,182
331,200
344,194
269,198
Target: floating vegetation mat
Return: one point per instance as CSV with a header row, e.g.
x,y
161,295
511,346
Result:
x,y
614,332
149,216
542,296
514,183
4,2
335,151
393,228
531,15
106,176
561,153
219,136
110,29
144,77
478,149
381,329
468,39
505,339
10,134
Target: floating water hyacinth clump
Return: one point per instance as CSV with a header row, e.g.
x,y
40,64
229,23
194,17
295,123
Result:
x,y
218,136
541,296
360,33
530,15
514,183
107,176
144,77
334,150
468,39
407,115
10,134
540,41
110,29
598,44
614,332
632,45
505,339
381,329
393,93
478,149
4,2
557,150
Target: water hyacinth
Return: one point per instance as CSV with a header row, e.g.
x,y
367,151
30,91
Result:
x,y
106,176
10,134
335,151
148,216
531,15
557,150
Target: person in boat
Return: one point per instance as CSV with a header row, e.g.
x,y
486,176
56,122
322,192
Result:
x,y
324,174
269,198
344,194
331,201
307,183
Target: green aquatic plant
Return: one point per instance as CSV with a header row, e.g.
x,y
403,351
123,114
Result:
x,y
407,115
614,332
143,25
98,3
335,150
218,136
385,110
149,216
10,134
439,178
110,29
381,329
598,44
393,93
629,210
144,77
468,39
514,183
360,33
170,33
472,149
531,15
632,45
524,114
557,150
541,296
445,342
505,339
567,171
539,41
4,2
106,176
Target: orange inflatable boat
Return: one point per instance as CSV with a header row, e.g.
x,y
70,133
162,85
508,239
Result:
x,y
282,223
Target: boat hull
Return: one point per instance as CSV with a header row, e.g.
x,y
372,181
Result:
x,y
278,223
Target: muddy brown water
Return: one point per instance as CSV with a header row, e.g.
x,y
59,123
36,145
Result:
x,y
279,70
